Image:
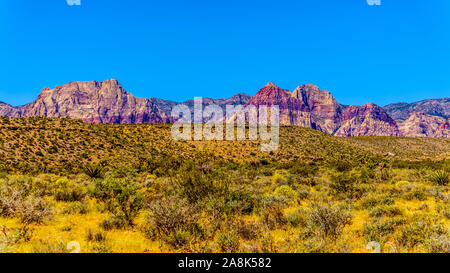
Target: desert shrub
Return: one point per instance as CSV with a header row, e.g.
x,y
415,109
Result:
x,y
77,207
195,185
438,244
373,200
114,222
173,220
366,174
35,210
286,192
303,192
121,198
341,164
304,170
10,202
247,230
16,200
420,230
417,194
327,220
379,229
228,242
123,172
52,247
239,202
70,195
296,218
94,170
92,236
385,210
344,184
280,178
270,210
273,217
383,173
441,177
444,210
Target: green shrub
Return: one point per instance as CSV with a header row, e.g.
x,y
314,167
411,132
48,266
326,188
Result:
x,y
70,195
374,200
77,207
418,194
296,218
228,242
344,184
286,192
385,210
114,222
121,198
379,229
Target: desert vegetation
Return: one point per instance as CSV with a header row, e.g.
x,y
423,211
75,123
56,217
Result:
x,y
131,188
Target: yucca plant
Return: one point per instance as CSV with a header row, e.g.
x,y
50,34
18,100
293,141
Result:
x,y
441,177
94,171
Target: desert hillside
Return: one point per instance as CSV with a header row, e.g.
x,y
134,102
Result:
x,y
67,185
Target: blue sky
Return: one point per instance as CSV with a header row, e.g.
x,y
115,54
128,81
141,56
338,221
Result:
x,y
173,49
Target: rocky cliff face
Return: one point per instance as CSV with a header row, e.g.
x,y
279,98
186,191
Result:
x,y
325,111
104,102
420,124
368,120
9,111
434,107
443,131
96,102
292,110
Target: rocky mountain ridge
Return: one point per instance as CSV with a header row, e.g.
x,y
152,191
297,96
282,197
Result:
x,y
306,106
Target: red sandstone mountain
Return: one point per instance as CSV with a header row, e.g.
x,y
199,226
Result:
x,y
443,131
310,107
9,111
292,110
96,102
325,110
420,124
307,106
368,120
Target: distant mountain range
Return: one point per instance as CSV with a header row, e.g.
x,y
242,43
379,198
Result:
x,y
307,106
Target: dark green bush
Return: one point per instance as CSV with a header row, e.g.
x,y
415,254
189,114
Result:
x,y
121,197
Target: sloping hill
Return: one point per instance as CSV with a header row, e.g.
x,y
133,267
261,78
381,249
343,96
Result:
x,y
38,145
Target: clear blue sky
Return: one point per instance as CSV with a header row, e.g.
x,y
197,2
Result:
x,y
173,49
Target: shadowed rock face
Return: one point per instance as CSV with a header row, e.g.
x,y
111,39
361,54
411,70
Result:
x,y
420,124
368,120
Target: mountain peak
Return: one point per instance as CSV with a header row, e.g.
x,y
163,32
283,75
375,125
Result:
x,y
270,84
